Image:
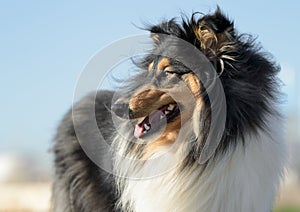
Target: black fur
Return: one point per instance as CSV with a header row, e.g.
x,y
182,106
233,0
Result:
x,y
80,185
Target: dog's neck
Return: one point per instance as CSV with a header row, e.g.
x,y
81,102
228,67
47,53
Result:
x,y
232,182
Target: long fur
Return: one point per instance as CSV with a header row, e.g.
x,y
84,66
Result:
x,y
164,174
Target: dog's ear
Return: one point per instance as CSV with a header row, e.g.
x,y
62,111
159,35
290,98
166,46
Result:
x,y
161,31
215,34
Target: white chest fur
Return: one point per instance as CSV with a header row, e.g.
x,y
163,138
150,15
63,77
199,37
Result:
x,y
245,179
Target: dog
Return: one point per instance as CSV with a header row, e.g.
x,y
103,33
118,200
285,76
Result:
x,y
196,129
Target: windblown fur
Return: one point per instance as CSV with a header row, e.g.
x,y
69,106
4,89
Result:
x,y
159,168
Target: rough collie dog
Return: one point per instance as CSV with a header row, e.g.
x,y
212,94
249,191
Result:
x,y
196,129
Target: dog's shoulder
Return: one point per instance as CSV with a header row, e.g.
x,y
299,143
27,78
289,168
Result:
x,y
75,171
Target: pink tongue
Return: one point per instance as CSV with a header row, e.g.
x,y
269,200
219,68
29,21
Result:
x,y
138,131
151,119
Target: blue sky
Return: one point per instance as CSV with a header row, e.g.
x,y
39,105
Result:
x,y
45,45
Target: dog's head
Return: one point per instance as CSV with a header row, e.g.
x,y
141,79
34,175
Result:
x,y
172,88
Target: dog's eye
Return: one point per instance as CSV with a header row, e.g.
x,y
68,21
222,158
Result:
x,y
167,74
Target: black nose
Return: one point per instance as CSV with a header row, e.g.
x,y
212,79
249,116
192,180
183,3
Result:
x,y
121,109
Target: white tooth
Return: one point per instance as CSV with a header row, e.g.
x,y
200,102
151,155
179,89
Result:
x,y
171,107
146,127
167,112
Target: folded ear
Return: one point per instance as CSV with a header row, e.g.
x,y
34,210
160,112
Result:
x,y
159,32
215,34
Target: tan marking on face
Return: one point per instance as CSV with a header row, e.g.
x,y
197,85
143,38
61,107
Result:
x,y
193,83
163,64
150,66
146,101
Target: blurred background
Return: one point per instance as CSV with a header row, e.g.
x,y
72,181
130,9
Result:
x,y
45,45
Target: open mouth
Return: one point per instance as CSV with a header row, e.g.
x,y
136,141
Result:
x,y
156,120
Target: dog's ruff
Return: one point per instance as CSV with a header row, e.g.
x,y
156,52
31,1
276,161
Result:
x,y
157,145
244,179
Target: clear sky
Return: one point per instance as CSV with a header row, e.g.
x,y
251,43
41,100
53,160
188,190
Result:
x,y
44,46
